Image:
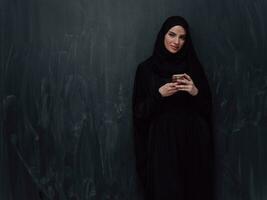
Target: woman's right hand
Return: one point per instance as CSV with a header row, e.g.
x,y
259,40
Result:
x,y
168,89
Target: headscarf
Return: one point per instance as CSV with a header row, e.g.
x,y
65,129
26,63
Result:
x,y
167,63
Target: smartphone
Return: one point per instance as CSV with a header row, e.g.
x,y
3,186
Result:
x,y
177,77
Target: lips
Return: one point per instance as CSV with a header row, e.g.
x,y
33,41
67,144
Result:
x,y
174,47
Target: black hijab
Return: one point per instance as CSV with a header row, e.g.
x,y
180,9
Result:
x,y
167,63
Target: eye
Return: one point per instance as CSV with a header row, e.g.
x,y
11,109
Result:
x,y
171,34
182,37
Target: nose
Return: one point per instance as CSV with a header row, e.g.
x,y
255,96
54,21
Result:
x,y
176,41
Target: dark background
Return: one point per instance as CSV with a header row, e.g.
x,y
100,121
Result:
x,y
66,77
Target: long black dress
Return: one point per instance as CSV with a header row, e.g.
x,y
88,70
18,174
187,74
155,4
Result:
x,y
174,148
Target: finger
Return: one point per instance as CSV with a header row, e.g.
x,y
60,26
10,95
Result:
x,y
184,90
173,89
184,82
172,84
184,87
187,77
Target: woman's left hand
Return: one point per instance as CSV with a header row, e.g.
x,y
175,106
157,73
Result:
x,y
187,84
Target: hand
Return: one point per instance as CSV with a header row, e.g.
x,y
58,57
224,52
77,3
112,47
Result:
x,y
187,84
168,89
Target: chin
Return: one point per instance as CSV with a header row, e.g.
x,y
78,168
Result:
x,y
173,51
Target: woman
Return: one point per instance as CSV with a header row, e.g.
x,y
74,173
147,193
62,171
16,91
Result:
x,y
172,119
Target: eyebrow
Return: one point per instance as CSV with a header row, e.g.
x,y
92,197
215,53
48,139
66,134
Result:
x,y
172,32
176,34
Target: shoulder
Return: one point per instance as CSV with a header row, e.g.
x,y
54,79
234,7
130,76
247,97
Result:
x,y
145,66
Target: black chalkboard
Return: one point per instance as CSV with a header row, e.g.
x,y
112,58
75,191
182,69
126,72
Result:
x,y
66,78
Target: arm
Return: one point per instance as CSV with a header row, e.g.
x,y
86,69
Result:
x,y
144,105
203,100
145,100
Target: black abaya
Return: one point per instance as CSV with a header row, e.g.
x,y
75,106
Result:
x,y
174,152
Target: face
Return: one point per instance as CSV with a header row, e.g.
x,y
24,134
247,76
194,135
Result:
x,y
175,39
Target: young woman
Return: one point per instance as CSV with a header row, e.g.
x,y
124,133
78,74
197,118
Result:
x,y
172,110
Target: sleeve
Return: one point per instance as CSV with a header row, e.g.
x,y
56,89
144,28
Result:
x,y
146,97
203,100
145,103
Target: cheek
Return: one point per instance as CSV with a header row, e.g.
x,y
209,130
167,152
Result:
x,y
182,42
166,42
